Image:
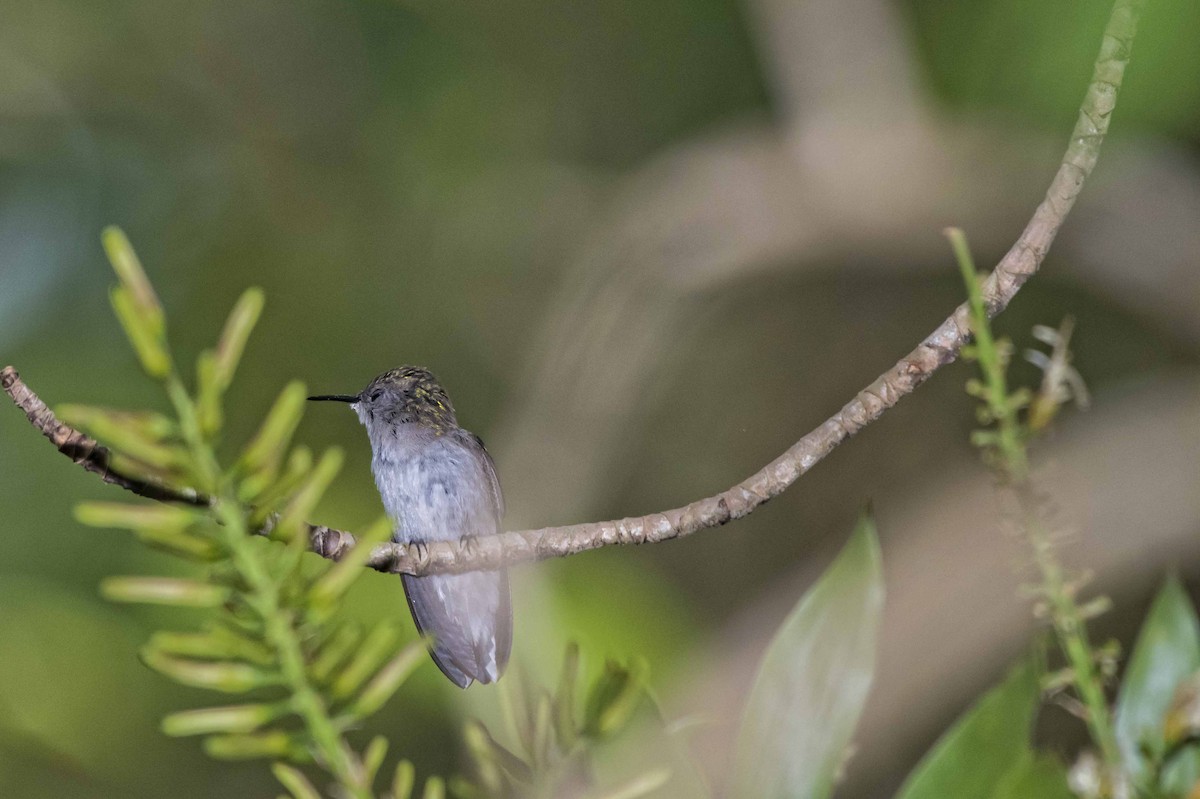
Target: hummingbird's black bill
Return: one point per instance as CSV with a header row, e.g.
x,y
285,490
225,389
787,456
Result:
x,y
334,398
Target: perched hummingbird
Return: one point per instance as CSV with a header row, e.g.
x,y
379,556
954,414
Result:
x,y
438,483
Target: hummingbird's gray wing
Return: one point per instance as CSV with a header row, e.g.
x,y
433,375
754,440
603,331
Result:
x,y
469,616
490,469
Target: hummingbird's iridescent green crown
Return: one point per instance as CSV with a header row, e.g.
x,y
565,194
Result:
x,y
408,395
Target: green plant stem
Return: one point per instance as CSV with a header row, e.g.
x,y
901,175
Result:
x,y
1071,631
1009,439
281,636
265,599
1010,446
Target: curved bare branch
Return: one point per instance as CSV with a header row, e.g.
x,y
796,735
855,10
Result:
x,y
939,348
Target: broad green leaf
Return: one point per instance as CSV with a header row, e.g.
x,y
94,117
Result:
x,y
1034,777
1167,651
987,743
813,681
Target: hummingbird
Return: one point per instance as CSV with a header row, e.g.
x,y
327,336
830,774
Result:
x,y
438,483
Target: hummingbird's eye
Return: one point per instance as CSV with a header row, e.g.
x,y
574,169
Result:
x,y
375,394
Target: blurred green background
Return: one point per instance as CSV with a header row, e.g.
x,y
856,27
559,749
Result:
x,y
645,246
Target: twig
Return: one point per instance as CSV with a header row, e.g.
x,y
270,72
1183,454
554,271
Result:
x,y
85,450
938,349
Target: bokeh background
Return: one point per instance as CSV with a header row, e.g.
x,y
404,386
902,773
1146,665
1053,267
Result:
x,y
646,245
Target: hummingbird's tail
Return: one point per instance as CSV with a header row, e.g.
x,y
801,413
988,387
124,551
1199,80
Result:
x,y
469,617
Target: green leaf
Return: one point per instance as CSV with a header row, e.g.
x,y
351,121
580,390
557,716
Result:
x,y
141,330
613,699
492,760
138,435
248,747
813,681
435,788
181,544
216,643
988,742
389,679
135,517
376,648
238,327
334,651
265,449
1167,651
1033,777
373,757
543,727
564,698
163,591
208,394
133,277
641,786
403,781
329,588
265,491
229,719
231,678
291,524
295,781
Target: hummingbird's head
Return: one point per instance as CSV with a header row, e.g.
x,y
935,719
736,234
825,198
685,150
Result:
x,y
406,395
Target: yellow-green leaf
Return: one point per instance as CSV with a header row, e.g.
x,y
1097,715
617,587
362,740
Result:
x,y
266,448
813,681
141,331
238,327
292,521
230,678
135,517
338,579
986,743
248,747
133,277
229,719
373,651
389,679
163,591
1167,652
296,783
403,780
